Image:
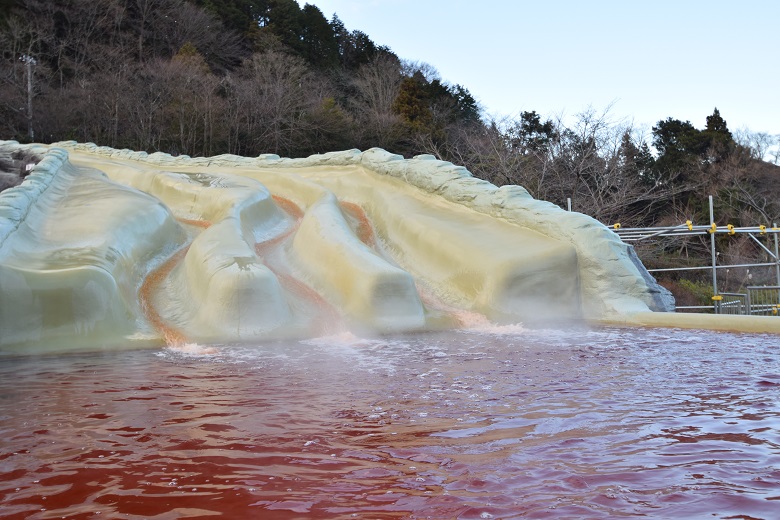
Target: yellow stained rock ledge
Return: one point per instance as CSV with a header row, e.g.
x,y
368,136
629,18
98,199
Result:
x,y
106,248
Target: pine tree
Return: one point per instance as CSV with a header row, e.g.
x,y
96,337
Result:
x,y
715,123
719,141
412,105
238,15
319,44
284,19
466,106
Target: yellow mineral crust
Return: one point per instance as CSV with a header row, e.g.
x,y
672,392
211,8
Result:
x,y
106,248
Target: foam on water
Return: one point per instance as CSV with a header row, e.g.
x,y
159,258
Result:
x,y
194,349
341,339
498,330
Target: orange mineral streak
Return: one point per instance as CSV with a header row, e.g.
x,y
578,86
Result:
x,y
327,320
463,318
292,209
289,206
194,222
172,336
364,230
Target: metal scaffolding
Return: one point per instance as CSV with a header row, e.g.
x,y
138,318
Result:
x,y
756,300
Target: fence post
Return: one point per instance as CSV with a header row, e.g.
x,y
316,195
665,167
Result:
x,y
777,263
777,258
714,257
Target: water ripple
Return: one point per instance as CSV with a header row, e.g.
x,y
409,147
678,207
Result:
x,y
505,423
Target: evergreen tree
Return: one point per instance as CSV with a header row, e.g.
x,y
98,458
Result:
x,y
466,106
238,15
531,134
716,124
284,20
679,147
412,104
355,48
636,161
319,44
719,141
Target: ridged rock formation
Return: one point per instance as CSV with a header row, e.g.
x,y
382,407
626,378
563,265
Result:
x,y
110,248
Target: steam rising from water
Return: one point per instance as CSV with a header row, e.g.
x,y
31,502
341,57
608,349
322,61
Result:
x,y
504,422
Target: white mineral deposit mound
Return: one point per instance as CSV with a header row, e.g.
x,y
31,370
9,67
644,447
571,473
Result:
x,y
113,248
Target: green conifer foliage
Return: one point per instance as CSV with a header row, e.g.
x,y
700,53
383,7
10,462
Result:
x,y
412,105
319,44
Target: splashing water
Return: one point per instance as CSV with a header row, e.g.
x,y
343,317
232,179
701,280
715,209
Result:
x,y
581,423
194,349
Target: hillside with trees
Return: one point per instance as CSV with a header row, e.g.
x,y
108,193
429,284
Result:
x,y
246,77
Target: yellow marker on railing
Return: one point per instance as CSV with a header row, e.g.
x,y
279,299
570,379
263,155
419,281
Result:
x,y
731,229
717,298
762,229
774,310
617,225
689,224
713,228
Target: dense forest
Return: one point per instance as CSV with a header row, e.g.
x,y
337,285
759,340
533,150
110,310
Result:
x,y
206,77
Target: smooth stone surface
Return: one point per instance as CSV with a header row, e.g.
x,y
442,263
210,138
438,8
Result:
x,y
103,247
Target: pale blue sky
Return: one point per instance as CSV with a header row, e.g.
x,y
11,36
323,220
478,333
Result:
x,y
654,59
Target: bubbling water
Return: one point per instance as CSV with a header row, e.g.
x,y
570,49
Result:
x,y
482,423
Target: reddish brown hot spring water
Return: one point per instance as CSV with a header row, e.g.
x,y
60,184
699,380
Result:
x,y
501,423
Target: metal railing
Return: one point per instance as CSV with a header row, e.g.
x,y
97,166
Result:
x,y
763,301
757,300
731,303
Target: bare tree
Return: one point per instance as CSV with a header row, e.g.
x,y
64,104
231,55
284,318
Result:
x,y
270,102
176,23
759,143
19,74
429,72
74,35
376,86
143,103
596,161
